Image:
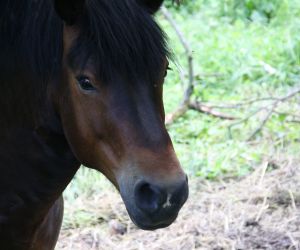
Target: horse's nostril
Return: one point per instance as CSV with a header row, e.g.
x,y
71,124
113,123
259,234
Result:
x,y
149,198
180,194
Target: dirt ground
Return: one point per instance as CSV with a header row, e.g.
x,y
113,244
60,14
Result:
x,y
261,211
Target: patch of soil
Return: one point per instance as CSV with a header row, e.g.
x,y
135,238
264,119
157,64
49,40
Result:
x,y
261,211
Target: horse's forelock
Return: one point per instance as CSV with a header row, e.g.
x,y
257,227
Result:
x,y
119,36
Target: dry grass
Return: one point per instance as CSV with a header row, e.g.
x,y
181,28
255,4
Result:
x,y
261,211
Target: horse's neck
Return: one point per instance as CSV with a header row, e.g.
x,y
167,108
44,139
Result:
x,y
36,163
35,166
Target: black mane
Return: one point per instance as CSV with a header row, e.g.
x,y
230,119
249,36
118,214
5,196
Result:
x,y
31,34
117,35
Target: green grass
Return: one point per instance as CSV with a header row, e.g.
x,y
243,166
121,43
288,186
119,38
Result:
x,y
230,53
231,44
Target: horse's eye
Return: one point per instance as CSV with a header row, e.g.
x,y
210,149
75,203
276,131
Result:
x,y
85,83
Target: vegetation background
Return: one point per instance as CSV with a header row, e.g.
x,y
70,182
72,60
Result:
x,y
246,56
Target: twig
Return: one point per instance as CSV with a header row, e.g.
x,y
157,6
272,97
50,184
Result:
x,y
263,208
170,118
208,110
263,122
293,121
287,114
263,173
271,111
182,76
183,107
188,52
254,101
248,117
241,104
293,200
186,103
290,95
208,75
271,107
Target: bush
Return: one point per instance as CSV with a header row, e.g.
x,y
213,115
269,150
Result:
x,y
253,10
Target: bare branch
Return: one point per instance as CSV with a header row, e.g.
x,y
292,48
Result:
x,y
210,75
254,101
179,33
190,88
287,114
170,118
183,107
293,121
242,104
271,108
200,107
186,104
208,110
263,123
248,117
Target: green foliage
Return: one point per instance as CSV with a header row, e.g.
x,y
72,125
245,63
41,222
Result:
x,y
233,10
236,57
254,10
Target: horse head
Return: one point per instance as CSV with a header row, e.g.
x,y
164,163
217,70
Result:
x,y
110,103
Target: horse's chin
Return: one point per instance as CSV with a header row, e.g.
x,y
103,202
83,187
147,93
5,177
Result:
x,y
151,226
149,222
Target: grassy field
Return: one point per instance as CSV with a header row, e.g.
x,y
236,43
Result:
x,y
235,59
243,50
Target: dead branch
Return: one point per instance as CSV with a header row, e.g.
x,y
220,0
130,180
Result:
x,y
293,121
287,114
263,122
290,95
247,118
183,107
270,107
188,52
186,103
208,110
271,110
170,118
241,104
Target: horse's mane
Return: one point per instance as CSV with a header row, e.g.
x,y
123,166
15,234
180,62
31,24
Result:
x,y
117,35
122,37
30,37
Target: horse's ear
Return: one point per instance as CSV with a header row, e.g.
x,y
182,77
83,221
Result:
x,y
151,5
69,10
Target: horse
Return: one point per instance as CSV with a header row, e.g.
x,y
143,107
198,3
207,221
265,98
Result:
x,y
81,84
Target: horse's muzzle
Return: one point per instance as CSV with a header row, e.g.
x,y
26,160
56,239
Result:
x,y
156,206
